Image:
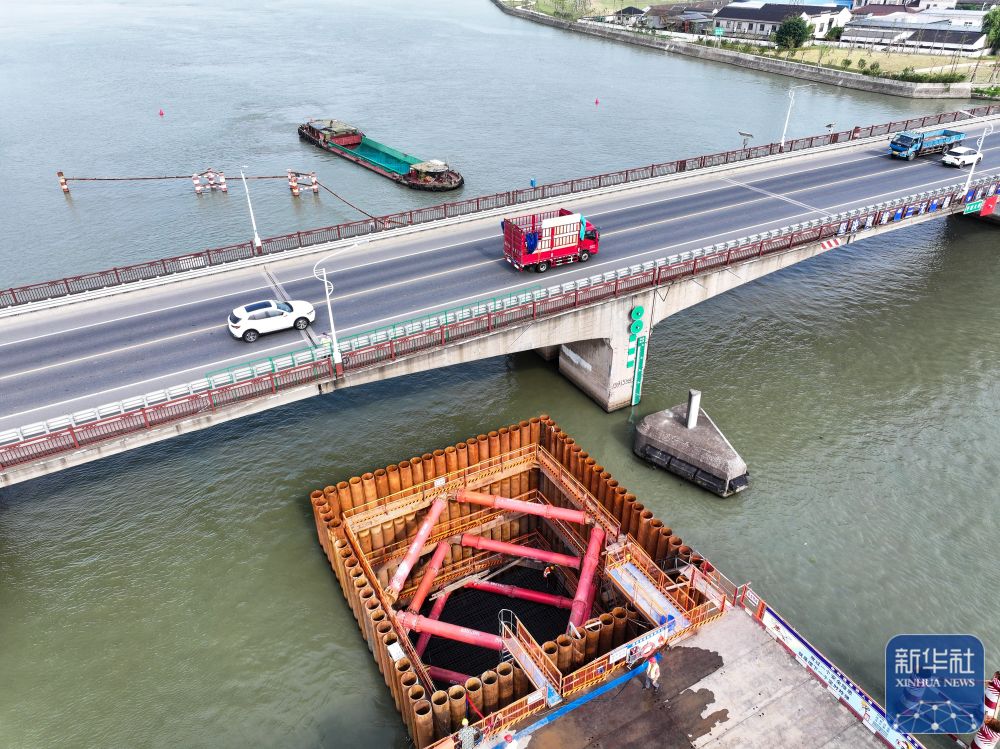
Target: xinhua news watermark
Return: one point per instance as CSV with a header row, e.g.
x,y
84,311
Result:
x,y
934,683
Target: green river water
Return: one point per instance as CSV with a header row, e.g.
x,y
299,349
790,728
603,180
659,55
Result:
x,y
175,595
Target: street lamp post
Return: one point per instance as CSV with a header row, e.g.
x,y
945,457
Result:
x,y
338,363
788,114
987,130
253,222
746,138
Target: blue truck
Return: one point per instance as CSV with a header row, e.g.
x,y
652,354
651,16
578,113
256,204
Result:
x,y
909,144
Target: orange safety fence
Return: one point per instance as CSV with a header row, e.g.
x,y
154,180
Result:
x,y
535,653
571,487
496,723
601,668
420,495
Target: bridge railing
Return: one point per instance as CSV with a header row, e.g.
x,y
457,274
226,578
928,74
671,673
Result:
x,y
38,441
145,418
149,270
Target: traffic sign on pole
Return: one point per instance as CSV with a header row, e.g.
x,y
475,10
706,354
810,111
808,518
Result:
x,y
719,31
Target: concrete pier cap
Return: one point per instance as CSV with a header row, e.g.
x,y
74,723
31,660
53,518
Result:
x,y
686,442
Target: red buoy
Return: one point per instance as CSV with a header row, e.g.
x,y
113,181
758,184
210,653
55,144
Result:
x,y
161,113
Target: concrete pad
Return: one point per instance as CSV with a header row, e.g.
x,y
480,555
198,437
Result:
x,y
728,686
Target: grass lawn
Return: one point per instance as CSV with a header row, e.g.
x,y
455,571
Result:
x,y
590,8
893,62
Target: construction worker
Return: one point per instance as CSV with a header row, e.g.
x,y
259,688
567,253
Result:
x,y
651,677
549,576
509,741
467,735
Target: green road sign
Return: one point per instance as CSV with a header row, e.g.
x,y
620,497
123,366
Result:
x,y
974,207
719,31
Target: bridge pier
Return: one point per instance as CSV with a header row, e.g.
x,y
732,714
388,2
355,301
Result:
x,y
549,353
606,368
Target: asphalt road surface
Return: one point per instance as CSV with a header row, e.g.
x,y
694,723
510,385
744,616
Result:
x,y
80,356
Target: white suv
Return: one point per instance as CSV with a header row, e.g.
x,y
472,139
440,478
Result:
x,y
252,320
962,156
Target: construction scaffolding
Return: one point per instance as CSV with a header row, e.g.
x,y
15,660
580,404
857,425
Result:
x,y
500,576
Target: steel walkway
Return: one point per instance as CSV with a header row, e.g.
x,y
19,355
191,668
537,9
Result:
x,y
652,603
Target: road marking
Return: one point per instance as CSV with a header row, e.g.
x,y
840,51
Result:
x,y
106,353
618,262
200,367
203,367
749,164
770,194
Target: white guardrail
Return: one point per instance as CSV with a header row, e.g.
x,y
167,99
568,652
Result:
x,y
240,373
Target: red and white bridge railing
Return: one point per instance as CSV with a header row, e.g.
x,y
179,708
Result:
x,y
366,350
192,261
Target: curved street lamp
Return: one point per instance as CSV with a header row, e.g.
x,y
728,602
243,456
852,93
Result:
x,y
788,114
253,222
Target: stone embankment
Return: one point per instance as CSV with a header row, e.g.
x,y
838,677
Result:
x,y
829,76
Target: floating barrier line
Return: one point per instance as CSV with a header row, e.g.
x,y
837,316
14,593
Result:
x,y
345,200
128,179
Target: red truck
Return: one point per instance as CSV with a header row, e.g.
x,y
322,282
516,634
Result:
x,y
541,240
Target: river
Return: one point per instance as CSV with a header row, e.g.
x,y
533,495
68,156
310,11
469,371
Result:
x,y
176,596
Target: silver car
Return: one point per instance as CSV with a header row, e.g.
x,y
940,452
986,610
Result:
x,y
251,321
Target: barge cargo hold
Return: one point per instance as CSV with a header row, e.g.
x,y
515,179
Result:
x,y
510,576
350,143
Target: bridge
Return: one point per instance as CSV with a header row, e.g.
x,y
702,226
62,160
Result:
x,y
104,362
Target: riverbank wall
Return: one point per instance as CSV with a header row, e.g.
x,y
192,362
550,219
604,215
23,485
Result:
x,y
842,78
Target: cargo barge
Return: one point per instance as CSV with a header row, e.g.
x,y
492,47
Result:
x,y
510,573
350,143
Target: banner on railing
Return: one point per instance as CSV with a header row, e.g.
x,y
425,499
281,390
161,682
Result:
x,y
841,686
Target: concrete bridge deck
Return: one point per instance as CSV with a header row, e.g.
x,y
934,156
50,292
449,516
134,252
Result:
x,y
81,355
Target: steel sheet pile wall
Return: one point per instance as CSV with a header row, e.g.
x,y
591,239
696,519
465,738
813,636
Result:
x,y
417,512
365,560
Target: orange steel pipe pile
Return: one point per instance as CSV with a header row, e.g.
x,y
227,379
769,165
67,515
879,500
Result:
x,y
517,550
583,601
500,474
518,505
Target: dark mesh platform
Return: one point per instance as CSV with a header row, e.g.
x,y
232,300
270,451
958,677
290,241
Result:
x,y
477,609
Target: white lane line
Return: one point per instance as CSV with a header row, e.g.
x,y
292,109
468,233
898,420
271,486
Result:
x,y
458,244
106,353
133,316
770,194
199,368
480,295
618,262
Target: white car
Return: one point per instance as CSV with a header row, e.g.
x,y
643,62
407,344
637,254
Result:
x,y
250,321
962,156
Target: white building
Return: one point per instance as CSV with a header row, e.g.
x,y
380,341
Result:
x,y
760,21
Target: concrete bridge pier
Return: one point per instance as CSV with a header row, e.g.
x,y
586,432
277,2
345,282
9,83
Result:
x,y
606,368
549,353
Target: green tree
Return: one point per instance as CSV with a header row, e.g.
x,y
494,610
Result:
x,y
991,25
874,69
834,34
793,32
